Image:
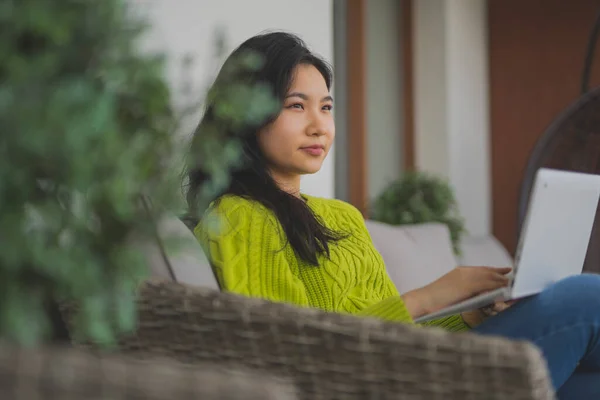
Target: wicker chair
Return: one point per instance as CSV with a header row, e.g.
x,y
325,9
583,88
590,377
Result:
x,y
571,142
331,356
70,374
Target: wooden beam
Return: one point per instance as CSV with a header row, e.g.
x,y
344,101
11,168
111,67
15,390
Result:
x,y
408,142
356,90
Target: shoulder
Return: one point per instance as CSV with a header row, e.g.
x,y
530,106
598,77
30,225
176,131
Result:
x,y
332,206
233,214
233,206
336,211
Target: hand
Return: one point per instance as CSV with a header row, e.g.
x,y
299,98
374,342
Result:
x,y
496,308
459,284
476,317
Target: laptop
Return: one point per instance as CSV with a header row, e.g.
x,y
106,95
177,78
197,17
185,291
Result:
x,y
553,241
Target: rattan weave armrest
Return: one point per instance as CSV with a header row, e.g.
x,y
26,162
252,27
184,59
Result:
x,y
54,373
331,355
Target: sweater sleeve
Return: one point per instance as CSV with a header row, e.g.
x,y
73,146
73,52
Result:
x,y
391,307
246,251
453,323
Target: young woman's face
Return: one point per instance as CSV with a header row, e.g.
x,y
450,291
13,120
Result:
x,y
298,141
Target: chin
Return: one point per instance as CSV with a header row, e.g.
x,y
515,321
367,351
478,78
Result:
x,y
309,169
310,172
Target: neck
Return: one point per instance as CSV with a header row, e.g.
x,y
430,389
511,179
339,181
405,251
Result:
x,y
287,183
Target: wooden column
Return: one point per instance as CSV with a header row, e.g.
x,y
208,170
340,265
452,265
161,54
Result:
x,y
357,124
406,24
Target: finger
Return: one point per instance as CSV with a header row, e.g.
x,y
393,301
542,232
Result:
x,y
500,306
492,282
486,268
488,311
489,272
495,276
500,270
478,272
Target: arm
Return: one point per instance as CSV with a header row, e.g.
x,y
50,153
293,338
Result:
x,y
246,250
390,309
406,307
453,323
392,306
410,305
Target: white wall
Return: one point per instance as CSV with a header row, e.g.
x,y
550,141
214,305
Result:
x,y
188,28
431,139
451,101
384,101
468,115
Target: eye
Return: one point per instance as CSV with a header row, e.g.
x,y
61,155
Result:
x,y
297,106
328,107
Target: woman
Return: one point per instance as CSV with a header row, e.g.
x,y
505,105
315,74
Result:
x,y
275,243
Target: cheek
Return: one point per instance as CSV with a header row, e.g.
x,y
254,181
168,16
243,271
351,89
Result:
x,y
331,131
265,144
278,140
273,145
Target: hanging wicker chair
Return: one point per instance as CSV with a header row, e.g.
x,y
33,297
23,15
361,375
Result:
x,y
572,143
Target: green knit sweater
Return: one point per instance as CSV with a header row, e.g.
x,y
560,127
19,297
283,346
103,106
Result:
x,y
250,255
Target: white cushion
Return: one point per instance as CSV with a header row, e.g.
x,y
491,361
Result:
x,y
183,253
415,255
483,251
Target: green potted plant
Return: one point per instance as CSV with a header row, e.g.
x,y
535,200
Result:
x,y
417,198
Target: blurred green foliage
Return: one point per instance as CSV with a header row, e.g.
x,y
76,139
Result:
x,y
86,133
417,198
216,148
87,143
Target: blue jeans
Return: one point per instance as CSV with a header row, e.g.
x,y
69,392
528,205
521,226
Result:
x,y
564,322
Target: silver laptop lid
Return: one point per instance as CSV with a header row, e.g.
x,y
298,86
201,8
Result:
x,y
556,233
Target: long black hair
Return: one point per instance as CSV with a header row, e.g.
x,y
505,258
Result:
x,y
280,54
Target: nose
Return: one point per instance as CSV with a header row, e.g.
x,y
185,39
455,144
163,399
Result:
x,y
317,125
317,131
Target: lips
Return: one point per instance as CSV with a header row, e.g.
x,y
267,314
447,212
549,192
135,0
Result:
x,y
314,150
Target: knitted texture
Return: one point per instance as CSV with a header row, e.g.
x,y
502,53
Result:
x,y
250,255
